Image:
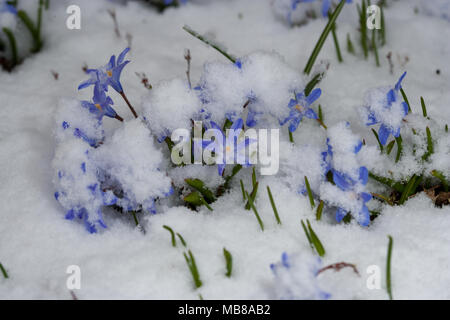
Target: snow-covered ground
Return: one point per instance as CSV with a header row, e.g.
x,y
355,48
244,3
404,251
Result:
x,y
37,244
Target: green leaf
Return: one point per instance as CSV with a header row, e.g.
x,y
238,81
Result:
x,y
172,235
319,210
228,262
424,107
390,146
194,198
378,140
430,147
315,240
13,45
336,42
310,195
190,261
274,207
199,185
397,186
183,242
375,50
350,47
243,190
261,224
252,196
441,177
406,193
388,267
399,141
323,37
405,98
5,274
209,43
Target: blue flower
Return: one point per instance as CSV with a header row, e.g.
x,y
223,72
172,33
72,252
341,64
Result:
x,y
295,277
300,107
346,183
108,75
6,7
375,116
228,150
101,105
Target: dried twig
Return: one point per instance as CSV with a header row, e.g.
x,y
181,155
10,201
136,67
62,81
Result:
x,y
187,56
338,266
112,13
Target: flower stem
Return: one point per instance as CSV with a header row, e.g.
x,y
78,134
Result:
x,y
118,118
129,104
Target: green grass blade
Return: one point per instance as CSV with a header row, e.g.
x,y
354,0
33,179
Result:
x,y
5,274
209,43
316,241
405,98
378,139
252,196
13,45
319,210
261,224
390,146
350,47
336,43
274,207
228,262
190,261
430,147
183,242
307,234
172,235
399,141
243,190
407,191
310,195
312,84
323,37
388,268
441,177
424,108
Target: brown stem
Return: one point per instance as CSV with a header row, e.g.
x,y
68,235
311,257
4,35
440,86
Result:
x,y
338,267
118,118
322,124
128,103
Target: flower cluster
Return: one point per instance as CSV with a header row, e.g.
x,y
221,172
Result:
x,y
385,107
349,177
94,170
295,278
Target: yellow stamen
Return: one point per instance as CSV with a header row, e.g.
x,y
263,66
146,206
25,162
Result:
x,y
109,73
98,106
228,148
299,108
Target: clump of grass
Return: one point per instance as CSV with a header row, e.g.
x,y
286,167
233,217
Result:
x,y
313,239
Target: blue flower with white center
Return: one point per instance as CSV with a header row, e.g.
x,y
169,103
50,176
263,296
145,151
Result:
x,y
231,148
386,109
101,105
296,278
301,107
108,75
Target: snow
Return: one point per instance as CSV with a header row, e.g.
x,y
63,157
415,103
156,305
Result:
x,y
37,244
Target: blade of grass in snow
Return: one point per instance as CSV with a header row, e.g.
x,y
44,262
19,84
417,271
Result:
x,y
253,177
12,45
274,207
383,28
424,108
390,146
5,274
378,139
252,196
399,141
243,190
228,262
323,37
313,238
336,43
261,224
388,182
408,190
388,268
312,83
291,137
405,98
350,47
183,242
320,114
310,195
362,26
209,43
440,176
430,147
190,261
172,235
319,210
